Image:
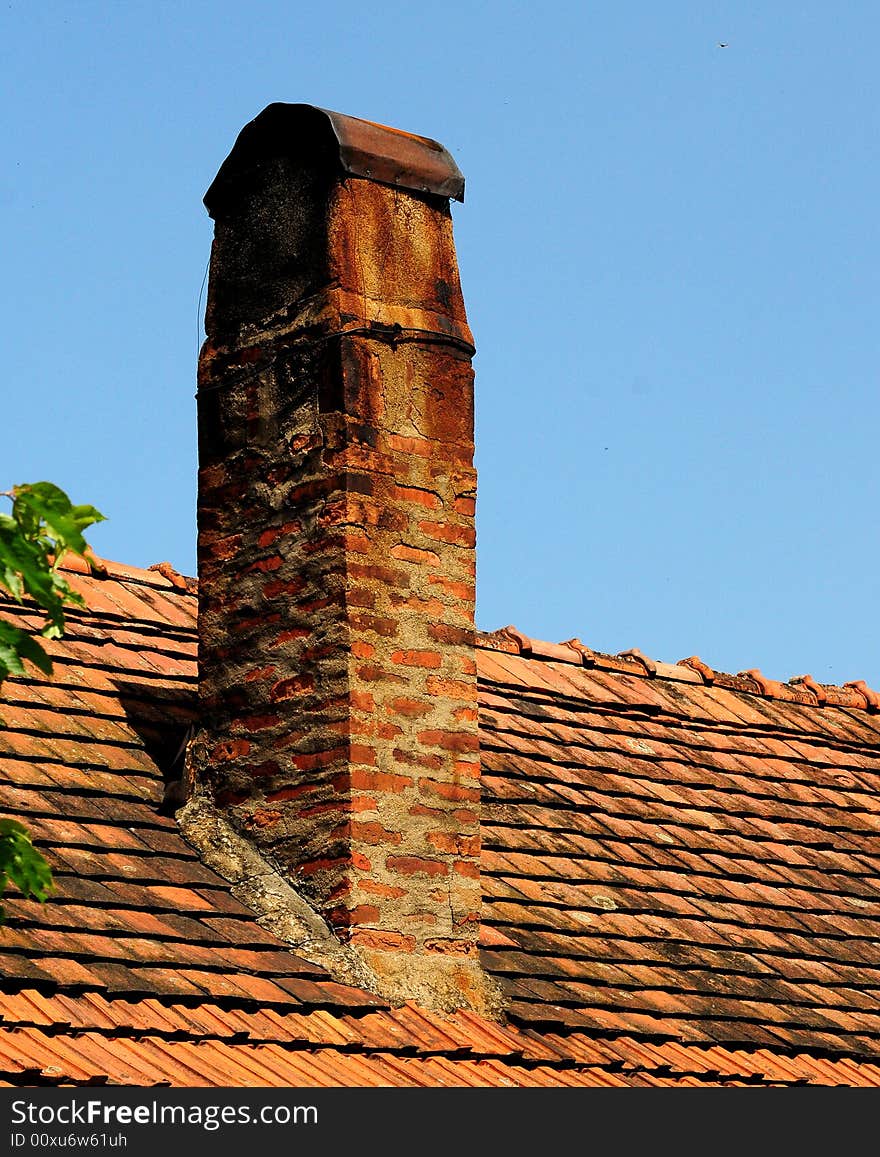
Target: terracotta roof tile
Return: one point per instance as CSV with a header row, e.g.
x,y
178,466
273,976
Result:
x,y
681,878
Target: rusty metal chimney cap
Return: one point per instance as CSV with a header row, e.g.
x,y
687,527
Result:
x,y
375,152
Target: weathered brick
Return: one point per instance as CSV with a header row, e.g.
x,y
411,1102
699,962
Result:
x,y
230,749
417,759
362,914
387,891
336,560
454,636
371,832
363,803
384,941
455,843
455,689
411,708
451,791
448,532
416,865
466,592
375,624
428,659
420,446
408,553
379,781
266,565
416,494
450,740
288,688
362,754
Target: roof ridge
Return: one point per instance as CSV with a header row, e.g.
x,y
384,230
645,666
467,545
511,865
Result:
x,y
801,689
160,575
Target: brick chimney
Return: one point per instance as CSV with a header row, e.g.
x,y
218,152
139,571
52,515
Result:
x,y
336,539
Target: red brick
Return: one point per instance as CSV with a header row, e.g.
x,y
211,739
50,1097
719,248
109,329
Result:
x,y
431,762
371,832
358,543
290,688
377,624
450,791
226,548
370,727
287,587
466,506
360,778
466,768
430,608
417,495
289,635
455,844
454,636
415,865
275,532
385,941
263,817
363,803
362,650
362,914
467,868
298,791
419,446
447,532
464,591
411,708
266,565
362,701
260,673
268,767
361,597
231,749
382,574
465,817
451,688
428,659
362,754
450,740
414,554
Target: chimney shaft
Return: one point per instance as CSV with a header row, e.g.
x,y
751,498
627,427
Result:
x,y
336,537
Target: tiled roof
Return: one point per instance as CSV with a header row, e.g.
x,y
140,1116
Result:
x,y
664,856
680,881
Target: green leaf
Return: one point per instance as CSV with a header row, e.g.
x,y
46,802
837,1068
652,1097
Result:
x,y
44,503
16,646
21,863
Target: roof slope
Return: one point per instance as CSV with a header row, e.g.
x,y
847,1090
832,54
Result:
x,y
664,856
680,883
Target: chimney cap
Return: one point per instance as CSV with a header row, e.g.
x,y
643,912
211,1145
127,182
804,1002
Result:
x,y
364,149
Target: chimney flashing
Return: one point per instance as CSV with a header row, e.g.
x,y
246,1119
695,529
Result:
x,y
363,149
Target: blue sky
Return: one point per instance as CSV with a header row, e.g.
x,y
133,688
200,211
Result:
x,y
669,253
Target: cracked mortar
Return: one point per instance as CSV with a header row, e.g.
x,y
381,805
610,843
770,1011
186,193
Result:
x,y
435,983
